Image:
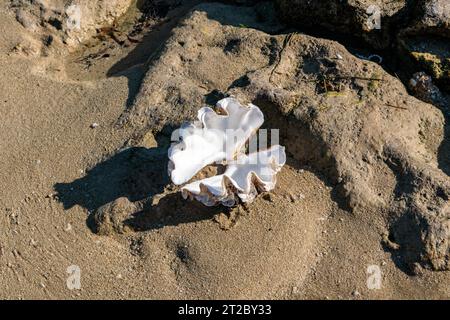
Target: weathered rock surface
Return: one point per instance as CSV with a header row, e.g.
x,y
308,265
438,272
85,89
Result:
x,y
420,29
348,118
111,218
432,16
423,88
66,21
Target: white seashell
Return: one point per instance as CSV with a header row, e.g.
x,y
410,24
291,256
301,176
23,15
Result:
x,y
243,178
214,138
221,138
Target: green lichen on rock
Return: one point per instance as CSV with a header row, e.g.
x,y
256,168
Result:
x,y
430,54
437,65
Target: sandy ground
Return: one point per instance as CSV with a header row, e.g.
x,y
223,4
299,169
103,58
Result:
x,y
301,248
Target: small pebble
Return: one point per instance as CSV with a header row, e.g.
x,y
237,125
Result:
x,y
268,197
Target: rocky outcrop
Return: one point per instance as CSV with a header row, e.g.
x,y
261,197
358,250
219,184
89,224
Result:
x,y
432,17
346,117
371,20
420,29
68,22
426,41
